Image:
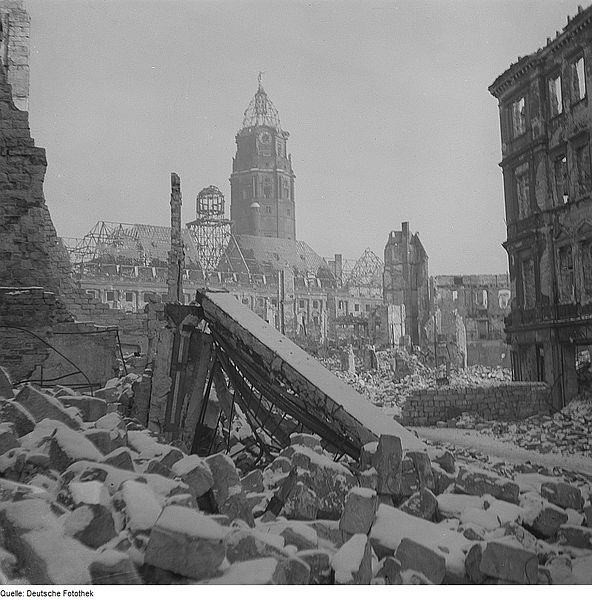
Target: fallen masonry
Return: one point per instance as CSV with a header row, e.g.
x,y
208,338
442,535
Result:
x,y
148,512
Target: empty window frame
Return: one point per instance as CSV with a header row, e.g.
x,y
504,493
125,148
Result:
x,y
483,329
518,114
129,296
481,298
522,178
584,179
587,265
527,281
110,296
578,80
555,95
315,303
560,180
566,274
356,308
503,298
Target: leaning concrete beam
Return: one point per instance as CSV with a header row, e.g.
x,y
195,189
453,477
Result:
x,y
349,413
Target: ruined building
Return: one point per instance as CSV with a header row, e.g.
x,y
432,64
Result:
x,y
262,180
406,282
41,336
470,312
546,121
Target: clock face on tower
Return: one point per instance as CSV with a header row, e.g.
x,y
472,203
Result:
x,y
264,137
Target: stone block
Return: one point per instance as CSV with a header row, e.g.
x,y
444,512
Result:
x,y
292,571
13,412
422,504
506,559
305,439
225,476
90,524
186,542
105,440
253,481
409,482
562,494
6,391
390,570
90,408
415,556
137,507
120,458
542,517
578,537
352,563
479,482
387,462
423,467
367,454
319,562
473,564
301,536
237,506
247,544
43,406
111,567
8,439
67,447
195,472
359,511
368,478
443,458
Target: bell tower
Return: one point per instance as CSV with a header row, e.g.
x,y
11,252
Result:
x,y
262,180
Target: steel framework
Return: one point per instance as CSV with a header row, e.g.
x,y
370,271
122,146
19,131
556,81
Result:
x,y
211,230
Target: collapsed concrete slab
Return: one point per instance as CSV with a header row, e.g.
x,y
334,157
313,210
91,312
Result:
x,y
317,399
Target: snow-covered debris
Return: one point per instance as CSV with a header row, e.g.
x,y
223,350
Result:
x,y
352,563
186,542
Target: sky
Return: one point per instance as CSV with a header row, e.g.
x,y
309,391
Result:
x,y
386,103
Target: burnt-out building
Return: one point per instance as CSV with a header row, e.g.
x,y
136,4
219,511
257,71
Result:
x,y
406,281
546,120
470,311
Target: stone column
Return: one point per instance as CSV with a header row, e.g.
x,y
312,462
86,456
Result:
x,y
176,253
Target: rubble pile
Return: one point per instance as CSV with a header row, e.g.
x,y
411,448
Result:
x,y
88,496
399,373
564,432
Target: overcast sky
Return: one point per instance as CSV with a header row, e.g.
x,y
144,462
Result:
x,y
386,103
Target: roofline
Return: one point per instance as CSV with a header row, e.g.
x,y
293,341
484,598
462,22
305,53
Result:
x,y
527,63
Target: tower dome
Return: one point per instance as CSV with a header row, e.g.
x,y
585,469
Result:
x,y
261,111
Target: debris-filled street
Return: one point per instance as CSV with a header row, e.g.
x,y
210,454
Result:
x,y
89,496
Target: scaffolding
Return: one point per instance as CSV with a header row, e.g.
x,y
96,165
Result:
x,y
210,231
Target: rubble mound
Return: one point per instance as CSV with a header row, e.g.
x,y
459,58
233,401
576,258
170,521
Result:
x,y
90,497
565,432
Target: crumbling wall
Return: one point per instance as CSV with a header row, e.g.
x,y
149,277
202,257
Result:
x,y
14,49
30,252
510,401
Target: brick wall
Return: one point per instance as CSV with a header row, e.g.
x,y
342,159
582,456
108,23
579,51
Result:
x,y
30,252
511,401
14,49
35,325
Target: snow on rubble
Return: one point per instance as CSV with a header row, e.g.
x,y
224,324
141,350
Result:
x,y
73,511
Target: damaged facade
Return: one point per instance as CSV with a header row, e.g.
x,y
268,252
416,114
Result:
x,y
406,280
470,312
545,122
